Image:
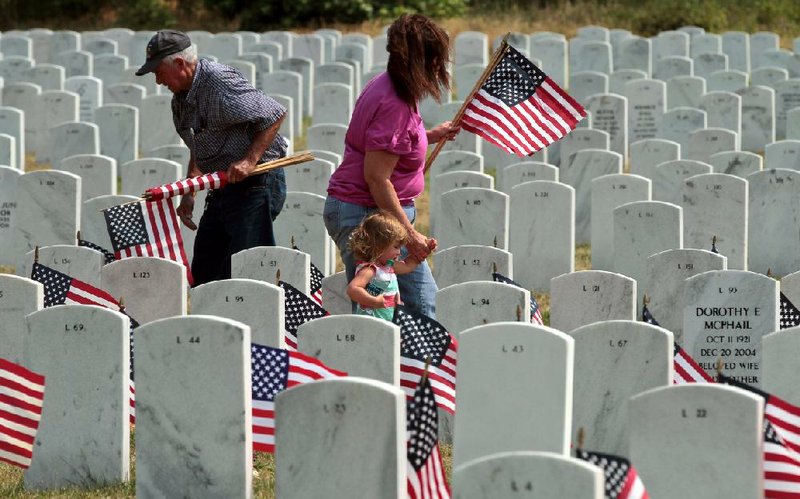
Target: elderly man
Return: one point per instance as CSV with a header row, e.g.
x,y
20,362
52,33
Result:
x,y
227,125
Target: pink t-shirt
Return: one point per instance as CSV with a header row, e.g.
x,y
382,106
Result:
x,y
381,121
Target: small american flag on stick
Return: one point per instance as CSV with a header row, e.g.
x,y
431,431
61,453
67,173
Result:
x,y
146,228
61,289
21,398
621,479
536,314
426,476
298,309
274,370
208,181
423,339
686,370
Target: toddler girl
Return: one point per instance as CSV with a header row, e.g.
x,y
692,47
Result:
x,y
376,243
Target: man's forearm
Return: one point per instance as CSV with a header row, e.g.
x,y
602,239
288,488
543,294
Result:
x,y
262,141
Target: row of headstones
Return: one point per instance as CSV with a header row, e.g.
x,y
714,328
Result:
x,y
46,208
694,308
541,221
568,381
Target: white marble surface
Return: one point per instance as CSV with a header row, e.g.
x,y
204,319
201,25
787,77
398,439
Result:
x,y
19,296
768,76
193,408
552,51
8,150
462,306
677,124
93,223
670,43
730,80
635,239
533,410
709,63
69,139
328,137
704,143
301,221
310,177
666,68
98,174
139,175
610,113
129,94
83,437
152,288
255,303
289,84
542,207
725,315
358,345
758,117
77,63
471,47
527,171
335,430
334,294
8,214
579,172
587,296
719,452
79,262
779,353
715,204
582,139
646,154
12,122
669,177
466,263
664,284
333,103
736,45
156,127
620,77
55,107
647,101
48,209
448,181
723,110
782,154
685,91
608,192
739,163
541,474
787,94
119,131
25,97
88,88
303,65
634,53
473,215
449,161
263,263
582,84
615,360
590,56
773,234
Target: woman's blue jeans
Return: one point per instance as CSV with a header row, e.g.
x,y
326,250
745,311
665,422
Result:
x,y
417,289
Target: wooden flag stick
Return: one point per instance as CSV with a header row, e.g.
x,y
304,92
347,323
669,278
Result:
x,y
121,305
36,254
645,300
718,366
494,267
278,277
519,313
78,236
496,58
425,372
581,438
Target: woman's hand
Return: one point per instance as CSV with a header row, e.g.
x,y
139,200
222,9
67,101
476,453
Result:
x,y
417,245
444,131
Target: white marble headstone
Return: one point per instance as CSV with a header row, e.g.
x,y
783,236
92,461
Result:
x,y
193,408
773,231
265,263
668,178
739,163
83,353
156,127
678,123
467,263
473,215
69,139
758,117
301,221
19,296
98,174
255,303
685,91
462,306
527,171
583,167
779,354
119,131
449,181
334,294
90,94
8,214
587,296
79,262
141,174
534,409
328,137
48,209
646,154
312,176
647,101
12,122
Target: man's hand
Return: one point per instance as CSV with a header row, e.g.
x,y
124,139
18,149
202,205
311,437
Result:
x,y
185,210
239,170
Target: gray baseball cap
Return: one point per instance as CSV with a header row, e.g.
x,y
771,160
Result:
x,y
165,42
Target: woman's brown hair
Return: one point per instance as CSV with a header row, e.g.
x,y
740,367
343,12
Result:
x,y
419,51
374,235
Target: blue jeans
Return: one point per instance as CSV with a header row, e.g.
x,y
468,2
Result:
x,y
237,217
417,289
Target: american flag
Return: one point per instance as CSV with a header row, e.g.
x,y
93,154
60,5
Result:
x,y
316,284
146,228
422,338
108,256
426,477
686,370
519,108
131,385
298,309
790,315
61,289
536,313
622,481
21,398
274,370
781,443
648,317
214,180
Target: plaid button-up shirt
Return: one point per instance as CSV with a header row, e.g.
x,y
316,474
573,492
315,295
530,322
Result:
x,y
220,114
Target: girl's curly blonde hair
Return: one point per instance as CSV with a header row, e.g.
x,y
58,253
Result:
x,y
374,235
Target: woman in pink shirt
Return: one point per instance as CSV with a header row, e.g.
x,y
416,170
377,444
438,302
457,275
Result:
x,y
385,148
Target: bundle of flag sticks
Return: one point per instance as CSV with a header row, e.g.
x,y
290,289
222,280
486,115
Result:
x,y
217,180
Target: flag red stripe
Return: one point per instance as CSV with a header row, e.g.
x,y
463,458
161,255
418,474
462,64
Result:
x,y
497,118
465,124
166,227
551,86
485,121
24,465
551,113
262,447
529,122
175,231
18,370
15,450
153,232
432,374
89,289
522,132
15,402
19,420
23,389
18,435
